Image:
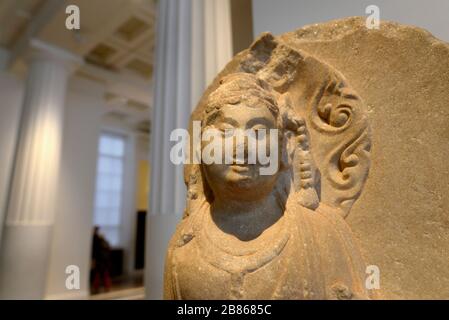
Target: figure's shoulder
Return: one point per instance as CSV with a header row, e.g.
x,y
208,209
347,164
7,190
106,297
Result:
x,y
183,234
299,213
323,213
321,222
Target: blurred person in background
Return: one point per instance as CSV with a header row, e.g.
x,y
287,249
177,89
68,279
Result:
x,y
101,262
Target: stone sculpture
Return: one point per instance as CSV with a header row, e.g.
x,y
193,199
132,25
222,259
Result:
x,y
281,236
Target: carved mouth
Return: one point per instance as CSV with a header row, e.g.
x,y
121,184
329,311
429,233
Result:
x,y
240,167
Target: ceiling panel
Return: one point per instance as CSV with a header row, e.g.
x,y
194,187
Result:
x,y
14,16
116,36
113,33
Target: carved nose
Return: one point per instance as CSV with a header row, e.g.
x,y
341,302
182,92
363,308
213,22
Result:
x,y
240,148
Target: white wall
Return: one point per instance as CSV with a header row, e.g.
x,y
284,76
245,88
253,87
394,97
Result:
x,y
72,233
11,94
4,56
72,230
72,236
278,16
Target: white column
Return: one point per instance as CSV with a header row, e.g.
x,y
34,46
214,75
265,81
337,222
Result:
x,y
211,42
32,197
185,63
171,110
218,36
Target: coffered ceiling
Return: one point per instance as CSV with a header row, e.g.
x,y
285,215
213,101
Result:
x,y
114,34
116,39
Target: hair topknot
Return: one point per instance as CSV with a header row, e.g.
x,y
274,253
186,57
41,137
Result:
x,y
244,88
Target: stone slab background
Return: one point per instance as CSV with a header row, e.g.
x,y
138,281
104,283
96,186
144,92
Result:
x,y
402,216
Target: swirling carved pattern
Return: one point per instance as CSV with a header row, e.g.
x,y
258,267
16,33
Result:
x,y
334,110
339,118
335,117
348,169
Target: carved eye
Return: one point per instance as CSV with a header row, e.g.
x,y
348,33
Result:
x,y
335,116
224,127
230,132
227,130
260,131
259,127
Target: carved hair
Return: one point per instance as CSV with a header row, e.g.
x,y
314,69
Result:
x,y
242,88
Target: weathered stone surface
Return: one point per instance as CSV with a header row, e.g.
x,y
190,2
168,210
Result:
x,y
363,116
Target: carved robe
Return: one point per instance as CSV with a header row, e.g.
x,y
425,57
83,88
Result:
x,y
304,255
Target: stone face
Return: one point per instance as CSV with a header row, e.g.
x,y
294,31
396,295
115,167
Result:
x,y
362,176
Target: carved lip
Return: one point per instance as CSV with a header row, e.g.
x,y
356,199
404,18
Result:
x,y
240,167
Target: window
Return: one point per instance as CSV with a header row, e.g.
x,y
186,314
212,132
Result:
x,y
109,186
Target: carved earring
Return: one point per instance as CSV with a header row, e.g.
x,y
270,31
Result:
x,y
300,158
304,169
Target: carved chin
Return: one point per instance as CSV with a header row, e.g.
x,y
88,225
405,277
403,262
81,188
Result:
x,y
247,182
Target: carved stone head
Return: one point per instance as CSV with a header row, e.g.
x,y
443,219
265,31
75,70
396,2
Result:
x,y
242,103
